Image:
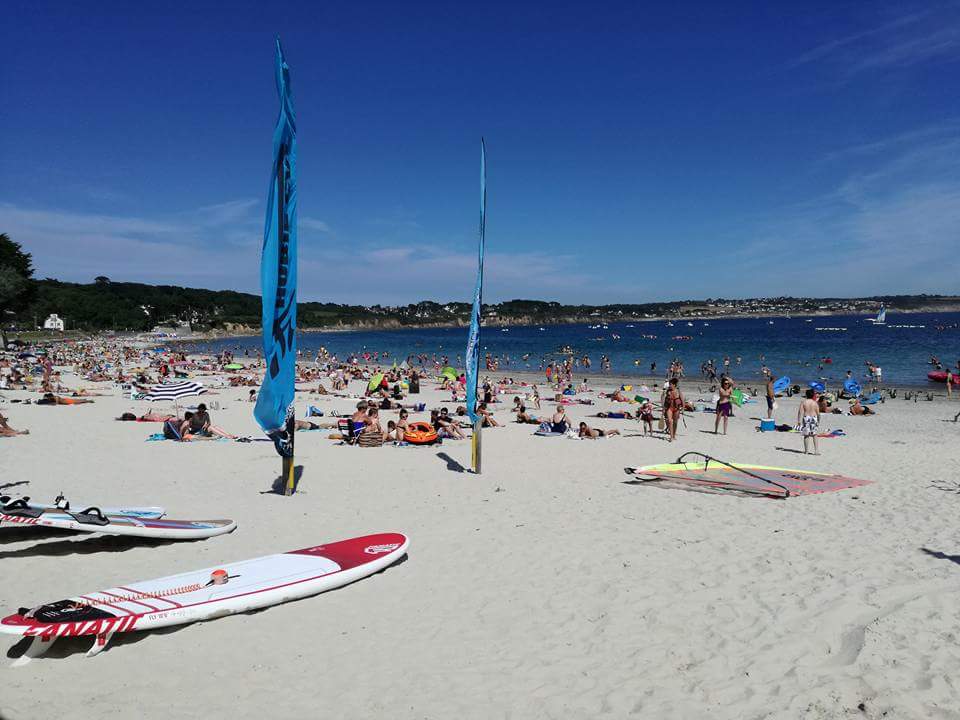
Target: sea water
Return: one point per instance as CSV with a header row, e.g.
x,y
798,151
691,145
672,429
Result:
x,y
802,348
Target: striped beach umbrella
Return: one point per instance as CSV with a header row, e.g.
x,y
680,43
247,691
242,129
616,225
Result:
x,y
174,391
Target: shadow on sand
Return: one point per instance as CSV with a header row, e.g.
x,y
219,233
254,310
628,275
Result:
x,y
279,482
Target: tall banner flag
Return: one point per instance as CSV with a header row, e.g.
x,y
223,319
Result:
x,y
472,355
278,279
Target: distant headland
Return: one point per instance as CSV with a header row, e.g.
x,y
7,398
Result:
x,y
137,307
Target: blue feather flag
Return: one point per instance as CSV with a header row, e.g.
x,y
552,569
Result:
x,y
472,355
278,276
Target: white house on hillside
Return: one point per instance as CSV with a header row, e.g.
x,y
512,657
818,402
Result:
x,y
53,322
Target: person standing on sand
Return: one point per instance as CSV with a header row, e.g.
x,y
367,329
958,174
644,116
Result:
x,y
949,383
771,396
673,407
724,405
808,421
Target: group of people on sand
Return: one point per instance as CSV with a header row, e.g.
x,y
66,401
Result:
x,y
366,428
195,425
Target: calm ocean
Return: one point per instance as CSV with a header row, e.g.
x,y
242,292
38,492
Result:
x,y
789,346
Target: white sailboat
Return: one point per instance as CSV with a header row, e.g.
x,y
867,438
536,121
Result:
x,y
881,318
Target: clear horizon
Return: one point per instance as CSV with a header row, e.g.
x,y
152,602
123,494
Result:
x,y
634,154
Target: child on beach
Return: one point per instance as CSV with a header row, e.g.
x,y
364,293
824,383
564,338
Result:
x,y
645,414
808,421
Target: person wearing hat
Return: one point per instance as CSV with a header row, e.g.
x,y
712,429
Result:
x,y
199,424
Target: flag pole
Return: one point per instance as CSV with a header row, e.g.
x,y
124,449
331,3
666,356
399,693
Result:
x,y
287,468
275,411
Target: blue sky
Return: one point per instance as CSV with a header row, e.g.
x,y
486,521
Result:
x,y
635,152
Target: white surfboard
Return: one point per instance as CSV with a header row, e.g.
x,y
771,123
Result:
x,y
93,520
205,594
150,512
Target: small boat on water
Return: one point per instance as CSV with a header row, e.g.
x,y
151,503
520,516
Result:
x,y
881,318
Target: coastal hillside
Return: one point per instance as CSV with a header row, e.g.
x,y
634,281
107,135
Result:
x,y
125,306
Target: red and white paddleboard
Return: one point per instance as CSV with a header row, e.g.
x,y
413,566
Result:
x,y
205,594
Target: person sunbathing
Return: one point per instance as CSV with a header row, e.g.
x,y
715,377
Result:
x,y
146,417
487,416
617,396
524,418
177,430
199,425
559,422
617,415
593,433
310,425
51,399
7,431
858,409
372,426
82,392
827,407
360,416
443,423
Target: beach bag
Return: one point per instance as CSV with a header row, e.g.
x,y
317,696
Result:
x,y
370,439
661,423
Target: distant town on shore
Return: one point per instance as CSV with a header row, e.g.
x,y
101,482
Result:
x,y
136,307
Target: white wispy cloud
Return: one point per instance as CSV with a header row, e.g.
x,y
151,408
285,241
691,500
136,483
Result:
x,y
227,213
905,41
218,247
309,223
891,222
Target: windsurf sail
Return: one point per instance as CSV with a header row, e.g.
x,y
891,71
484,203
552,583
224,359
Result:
x,y
713,475
278,276
882,315
472,355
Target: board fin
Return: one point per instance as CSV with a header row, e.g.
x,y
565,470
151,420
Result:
x,y
37,648
99,644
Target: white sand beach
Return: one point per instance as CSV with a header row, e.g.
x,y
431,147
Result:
x,y
544,588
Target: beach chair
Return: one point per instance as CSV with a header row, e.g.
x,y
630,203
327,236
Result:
x,y
349,430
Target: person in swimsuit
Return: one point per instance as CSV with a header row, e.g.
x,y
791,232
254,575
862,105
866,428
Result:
x,y
593,433
724,405
51,399
808,421
771,396
645,415
558,421
524,418
200,425
7,431
673,404
487,416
